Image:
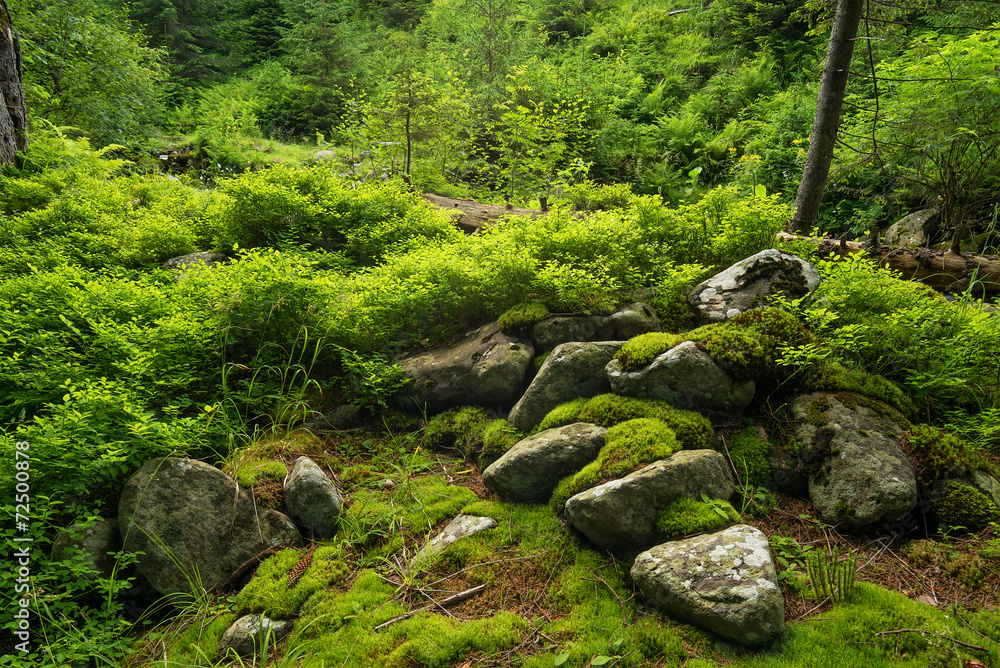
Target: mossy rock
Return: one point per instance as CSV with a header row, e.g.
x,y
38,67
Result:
x,y
518,320
628,446
693,430
458,429
561,415
939,454
836,377
962,506
689,516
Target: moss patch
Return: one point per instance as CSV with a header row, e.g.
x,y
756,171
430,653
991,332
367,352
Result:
x,y
835,377
749,454
964,506
268,591
518,320
642,349
938,454
693,430
627,447
561,415
687,516
498,437
458,429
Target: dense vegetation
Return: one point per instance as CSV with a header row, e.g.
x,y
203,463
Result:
x,y
667,138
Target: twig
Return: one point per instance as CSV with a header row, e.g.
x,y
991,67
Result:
x,y
613,592
451,600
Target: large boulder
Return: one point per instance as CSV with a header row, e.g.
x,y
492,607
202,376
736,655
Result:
x,y
859,475
534,466
621,514
186,516
485,368
572,370
685,376
724,582
911,230
629,321
749,283
311,498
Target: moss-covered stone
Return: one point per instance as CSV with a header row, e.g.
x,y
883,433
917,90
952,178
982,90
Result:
x,y
458,429
563,414
836,377
964,506
940,454
689,516
498,437
693,430
748,451
518,320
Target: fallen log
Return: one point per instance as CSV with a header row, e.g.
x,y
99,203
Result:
x,y
942,270
471,216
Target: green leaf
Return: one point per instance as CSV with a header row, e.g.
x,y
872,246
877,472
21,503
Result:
x,y
600,660
561,659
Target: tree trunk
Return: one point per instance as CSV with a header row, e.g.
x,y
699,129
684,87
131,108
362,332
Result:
x,y
827,119
13,113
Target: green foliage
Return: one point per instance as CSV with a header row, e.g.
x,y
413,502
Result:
x,y
693,431
939,454
460,429
518,320
689,516
963,508
498,437
832,577
628,446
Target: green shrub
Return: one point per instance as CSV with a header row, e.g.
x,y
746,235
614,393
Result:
x,y
498,437
460,429
965,507
939,454
518,320
692,429
687,516
628,446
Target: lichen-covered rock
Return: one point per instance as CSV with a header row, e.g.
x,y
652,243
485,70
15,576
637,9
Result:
x,y
311,498
911,230
532,468
94,543
621,514
207,258
629,321
187,516
684,376
748,283
724,582
572,370
246,636
461,527
486,368
859,475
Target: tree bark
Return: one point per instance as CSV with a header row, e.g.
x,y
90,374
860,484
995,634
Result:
x,y
942,270
827,119
13,113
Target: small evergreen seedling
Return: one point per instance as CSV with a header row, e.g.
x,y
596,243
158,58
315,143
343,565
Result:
x,y
831,577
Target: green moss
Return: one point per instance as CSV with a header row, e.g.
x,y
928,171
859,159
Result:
x,y
939,454
834,377
199,640
498,437
563,414
965,567
749,454
964,506
627,447
268,591
642,349
539,360
687,516
458,429
249,472
843,509
693,430
518,320
852,400
816,415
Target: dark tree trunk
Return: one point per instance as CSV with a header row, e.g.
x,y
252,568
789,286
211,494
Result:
x,y
13,113
827,119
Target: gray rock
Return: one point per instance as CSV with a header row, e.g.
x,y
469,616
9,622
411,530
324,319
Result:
x,y
629,321
311,499
94,543
725,583
324,156
185,516
687,377
911,230
207,258
747,285
572,370
247,634
461,527
532,468
486,368
860,477
621,514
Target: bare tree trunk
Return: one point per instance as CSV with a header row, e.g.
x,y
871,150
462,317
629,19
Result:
x,y
827,119
13,113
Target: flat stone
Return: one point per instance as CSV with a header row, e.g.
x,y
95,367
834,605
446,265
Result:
x,y
463,526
